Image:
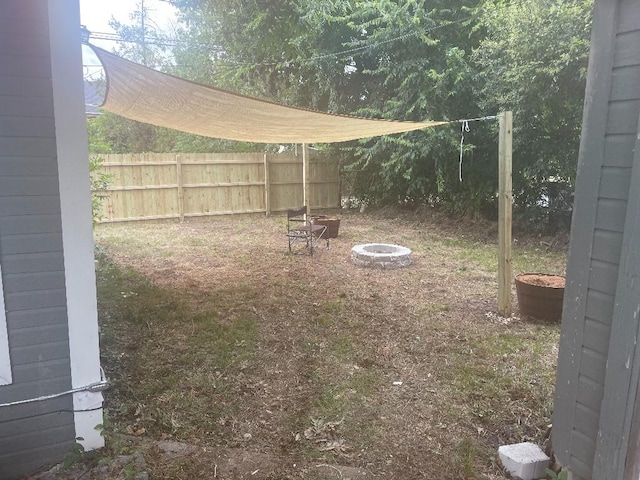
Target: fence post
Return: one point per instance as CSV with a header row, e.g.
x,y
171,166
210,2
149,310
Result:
x,y
267,186
305,177
180,187
505,198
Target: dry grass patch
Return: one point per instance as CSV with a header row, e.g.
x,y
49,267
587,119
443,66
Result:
x,y
215,336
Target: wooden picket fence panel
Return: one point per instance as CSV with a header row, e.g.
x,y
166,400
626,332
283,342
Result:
x,y
153,186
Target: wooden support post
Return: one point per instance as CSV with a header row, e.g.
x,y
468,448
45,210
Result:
x,y
267,186
305,177
505,198
180,187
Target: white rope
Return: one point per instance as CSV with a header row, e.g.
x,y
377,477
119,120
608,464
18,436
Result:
x,y
464,127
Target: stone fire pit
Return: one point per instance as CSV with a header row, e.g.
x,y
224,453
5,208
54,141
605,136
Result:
x,y
381,255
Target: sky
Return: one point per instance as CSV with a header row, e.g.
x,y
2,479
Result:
x,y
96,14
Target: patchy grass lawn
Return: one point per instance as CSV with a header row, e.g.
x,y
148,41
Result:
x,y
213,335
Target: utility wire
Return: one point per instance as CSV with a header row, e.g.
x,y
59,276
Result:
x,y
152,40
177,43
52,412
91,387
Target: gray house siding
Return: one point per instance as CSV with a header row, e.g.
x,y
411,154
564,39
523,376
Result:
x,y
623,363
31,247
600,223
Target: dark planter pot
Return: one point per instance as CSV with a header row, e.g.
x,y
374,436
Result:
x,y
332,224
539,295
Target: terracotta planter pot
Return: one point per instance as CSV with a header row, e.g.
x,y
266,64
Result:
x,y
540,295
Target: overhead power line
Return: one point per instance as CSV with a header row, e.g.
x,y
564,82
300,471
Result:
x,y
177,43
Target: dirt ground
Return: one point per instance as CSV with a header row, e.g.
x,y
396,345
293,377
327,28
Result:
x,y
298,366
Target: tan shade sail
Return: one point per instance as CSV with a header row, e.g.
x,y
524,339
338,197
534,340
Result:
x,y
149,96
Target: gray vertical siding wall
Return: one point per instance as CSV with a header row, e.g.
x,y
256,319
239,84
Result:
x,y
31,246
609,134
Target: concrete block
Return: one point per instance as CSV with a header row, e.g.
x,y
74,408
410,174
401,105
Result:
x,y
525,461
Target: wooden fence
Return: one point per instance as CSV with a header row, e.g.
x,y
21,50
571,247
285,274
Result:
x,y
177,186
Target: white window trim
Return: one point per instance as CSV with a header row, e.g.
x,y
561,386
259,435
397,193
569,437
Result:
x,y
5,358
75,208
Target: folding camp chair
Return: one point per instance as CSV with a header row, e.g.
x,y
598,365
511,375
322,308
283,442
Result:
x,y
300,229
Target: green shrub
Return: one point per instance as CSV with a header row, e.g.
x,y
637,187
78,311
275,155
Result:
x,y
100,182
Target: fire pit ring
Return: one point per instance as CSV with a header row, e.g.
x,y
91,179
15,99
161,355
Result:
x,y
381,255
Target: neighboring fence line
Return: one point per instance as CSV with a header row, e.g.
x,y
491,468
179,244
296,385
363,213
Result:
x,y
154,186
